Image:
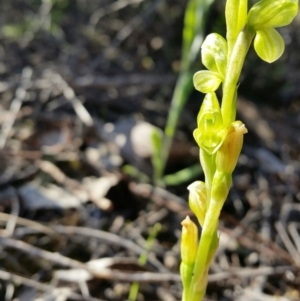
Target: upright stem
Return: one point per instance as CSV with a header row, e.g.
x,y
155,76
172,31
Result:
x,y
199,283
234,68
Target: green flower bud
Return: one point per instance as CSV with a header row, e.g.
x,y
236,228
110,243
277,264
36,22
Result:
x,y
220,187
189,247
272,13
230,149
207,81
189,241
268,44
197,200
214,53
210,132
236,16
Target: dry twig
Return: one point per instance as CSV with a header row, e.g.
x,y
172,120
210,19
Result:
x,y
16,103
39,286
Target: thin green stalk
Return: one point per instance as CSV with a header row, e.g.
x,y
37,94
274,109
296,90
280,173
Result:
x,y
134,289
233,72
200,270
192,38
208,160
183,89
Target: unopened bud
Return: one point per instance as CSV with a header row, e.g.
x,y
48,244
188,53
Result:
x,y
189,241
230,149
236,16
220,187
197,200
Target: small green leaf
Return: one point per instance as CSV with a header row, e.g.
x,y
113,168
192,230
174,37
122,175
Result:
x,y
214,53
272,13
135,173
207,81
268,44
184,175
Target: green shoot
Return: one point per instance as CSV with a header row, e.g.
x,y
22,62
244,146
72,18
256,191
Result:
x,y
134,289
193,35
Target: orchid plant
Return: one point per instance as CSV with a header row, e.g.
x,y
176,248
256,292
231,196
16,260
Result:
x,y
218,134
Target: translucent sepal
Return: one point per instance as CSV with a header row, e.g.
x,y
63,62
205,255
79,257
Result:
x,y
214,53
207,81
272,13
268,44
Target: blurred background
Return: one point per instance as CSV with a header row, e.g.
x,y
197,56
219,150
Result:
x,y
90,206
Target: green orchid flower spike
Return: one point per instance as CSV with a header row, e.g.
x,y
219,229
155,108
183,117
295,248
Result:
x,y
218,135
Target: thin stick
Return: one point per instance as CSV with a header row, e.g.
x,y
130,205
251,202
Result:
x,y
250,273
16,104
117,5
12,220
287,242
103,235
38,285
28,223
292,227
36,252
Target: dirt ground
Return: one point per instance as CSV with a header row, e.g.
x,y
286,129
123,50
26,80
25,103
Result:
x,y
82,85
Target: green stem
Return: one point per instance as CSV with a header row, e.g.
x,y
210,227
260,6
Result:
x,y
234,68
199,281
209,167
219,190
186,270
